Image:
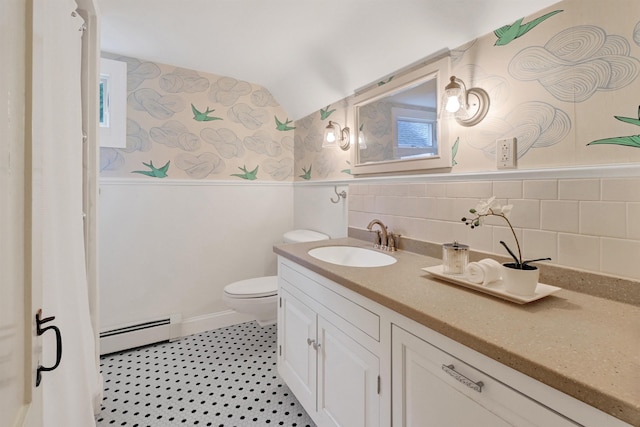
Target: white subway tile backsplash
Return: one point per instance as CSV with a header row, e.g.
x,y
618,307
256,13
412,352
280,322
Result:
x,y
525,213
397,190
590,224
441,231
621,257
355,202
505,234
507,189
480,238
621,189
476,190
445,209
603,219
369,203
417,190
359,189
579,251
540,244
579,189
540,189
436,189
633,221
558,215
415,228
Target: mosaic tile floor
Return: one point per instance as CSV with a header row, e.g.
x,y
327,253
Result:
x,y
225,377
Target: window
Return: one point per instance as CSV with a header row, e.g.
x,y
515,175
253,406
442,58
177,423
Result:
x,y
113,103
414,131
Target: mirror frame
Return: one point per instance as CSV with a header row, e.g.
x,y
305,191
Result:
x,y
438,69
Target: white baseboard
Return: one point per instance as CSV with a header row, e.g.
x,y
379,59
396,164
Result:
x,y
172,328
207,322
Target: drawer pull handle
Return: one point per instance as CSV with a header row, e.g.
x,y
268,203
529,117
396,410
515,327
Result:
x,y
450,369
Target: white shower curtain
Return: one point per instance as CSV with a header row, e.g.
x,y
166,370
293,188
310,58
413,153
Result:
x,y
70,391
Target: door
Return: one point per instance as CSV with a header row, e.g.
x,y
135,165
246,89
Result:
x,y
34,198
296,348
20,402
347,380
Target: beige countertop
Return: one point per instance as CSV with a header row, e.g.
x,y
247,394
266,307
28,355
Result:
x,y
585,346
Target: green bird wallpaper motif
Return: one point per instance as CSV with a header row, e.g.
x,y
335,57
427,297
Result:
x,y
251,176
348,170
454,151
283,126
154,172
509,33
307,173
203,117
627,141
325,113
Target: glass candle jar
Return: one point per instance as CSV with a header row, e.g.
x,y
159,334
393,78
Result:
x,y
454,258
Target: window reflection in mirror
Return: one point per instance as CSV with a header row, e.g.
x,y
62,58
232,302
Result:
x,y
397,123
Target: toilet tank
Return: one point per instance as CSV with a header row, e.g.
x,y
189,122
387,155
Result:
x,y
299,236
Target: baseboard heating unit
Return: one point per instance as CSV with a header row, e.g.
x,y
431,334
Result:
x,y
139,334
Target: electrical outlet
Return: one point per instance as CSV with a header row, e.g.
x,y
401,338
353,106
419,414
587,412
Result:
x,y
506,153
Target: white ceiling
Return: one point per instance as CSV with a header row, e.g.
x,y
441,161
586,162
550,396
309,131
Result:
x,y
307,53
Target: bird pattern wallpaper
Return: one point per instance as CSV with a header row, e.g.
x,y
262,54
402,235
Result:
x,y
183,124
563,81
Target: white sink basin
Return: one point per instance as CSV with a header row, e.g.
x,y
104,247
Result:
x,y
352,256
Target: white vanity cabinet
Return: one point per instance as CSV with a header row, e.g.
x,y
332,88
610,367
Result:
x,y
334,376
432,388
352,362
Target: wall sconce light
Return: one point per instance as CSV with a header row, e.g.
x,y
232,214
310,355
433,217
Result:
x,y
335,136
469,106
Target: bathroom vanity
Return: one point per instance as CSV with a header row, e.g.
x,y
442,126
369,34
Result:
x,y
392,345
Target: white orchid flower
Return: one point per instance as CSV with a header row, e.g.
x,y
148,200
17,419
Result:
x,y
505,210
482,208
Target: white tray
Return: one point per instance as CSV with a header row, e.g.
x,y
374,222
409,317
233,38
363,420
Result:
x,y
494,288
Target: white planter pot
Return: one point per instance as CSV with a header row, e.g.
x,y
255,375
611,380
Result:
x,y
520,282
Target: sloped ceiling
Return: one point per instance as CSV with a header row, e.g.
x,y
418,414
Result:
x,y
307,53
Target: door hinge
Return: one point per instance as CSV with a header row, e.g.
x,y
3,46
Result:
x,y
280,350
280,302
379,384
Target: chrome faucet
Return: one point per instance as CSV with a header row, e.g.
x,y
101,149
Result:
x,y
386,241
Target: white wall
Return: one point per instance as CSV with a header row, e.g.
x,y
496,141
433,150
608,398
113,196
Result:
x,y
314,210
170,247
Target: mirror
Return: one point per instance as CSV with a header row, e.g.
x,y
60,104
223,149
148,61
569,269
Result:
x,y
396,123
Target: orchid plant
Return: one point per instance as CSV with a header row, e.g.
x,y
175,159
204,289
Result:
x,y
492,208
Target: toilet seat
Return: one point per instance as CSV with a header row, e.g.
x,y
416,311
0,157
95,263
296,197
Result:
x,y
257,287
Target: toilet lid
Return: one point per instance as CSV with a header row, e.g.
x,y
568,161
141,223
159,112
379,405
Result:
x,y
299,236
253,288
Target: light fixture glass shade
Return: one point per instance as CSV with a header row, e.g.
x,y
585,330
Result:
x,y
329,139
468,106
454,95
334,136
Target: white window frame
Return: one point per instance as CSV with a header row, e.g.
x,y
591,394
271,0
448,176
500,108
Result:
x,y
113,77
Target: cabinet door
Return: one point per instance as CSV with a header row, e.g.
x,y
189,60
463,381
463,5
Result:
x,y
297,356
431,388
347,380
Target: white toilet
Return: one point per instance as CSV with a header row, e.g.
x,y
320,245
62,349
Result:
x,y
259,296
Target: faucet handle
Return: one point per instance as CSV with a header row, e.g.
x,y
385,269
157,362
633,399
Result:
x,y
393,241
